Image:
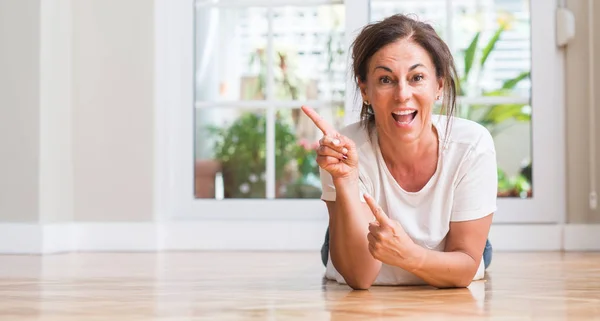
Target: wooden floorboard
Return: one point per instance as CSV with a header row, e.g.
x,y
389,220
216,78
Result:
x,y
283,286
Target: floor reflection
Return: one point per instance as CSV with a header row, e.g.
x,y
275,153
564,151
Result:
x,y
419,302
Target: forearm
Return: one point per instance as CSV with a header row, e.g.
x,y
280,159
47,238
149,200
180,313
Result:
x,y
443,269
349,226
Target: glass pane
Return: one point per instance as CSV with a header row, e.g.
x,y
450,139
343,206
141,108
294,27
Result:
x,y
493,46
510,126
230,153
430,11
230,62
310,52
297,138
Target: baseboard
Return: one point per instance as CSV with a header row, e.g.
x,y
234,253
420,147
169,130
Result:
x,y
526,237
21,238
18,238
243,235
125,236
582,237
58,238
30,238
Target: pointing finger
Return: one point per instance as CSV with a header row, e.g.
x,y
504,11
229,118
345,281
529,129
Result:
x,y
319,121
376,210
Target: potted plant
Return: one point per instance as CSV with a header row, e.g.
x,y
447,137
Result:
x,y
240,149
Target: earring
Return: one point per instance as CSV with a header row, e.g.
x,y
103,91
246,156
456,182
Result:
x,y
366,102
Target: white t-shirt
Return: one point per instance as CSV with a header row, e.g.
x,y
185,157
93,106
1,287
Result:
x,y
463,187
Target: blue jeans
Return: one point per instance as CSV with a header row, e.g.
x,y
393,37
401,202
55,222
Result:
x,y
487,252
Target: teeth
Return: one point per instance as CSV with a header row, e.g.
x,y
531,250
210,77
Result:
x,y
404,112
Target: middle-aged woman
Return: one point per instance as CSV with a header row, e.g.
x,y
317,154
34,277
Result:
x,y
410,194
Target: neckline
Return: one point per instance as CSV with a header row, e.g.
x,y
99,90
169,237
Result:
x,y
433,177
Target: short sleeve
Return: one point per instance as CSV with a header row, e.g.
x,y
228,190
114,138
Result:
x,y
476,193
328,193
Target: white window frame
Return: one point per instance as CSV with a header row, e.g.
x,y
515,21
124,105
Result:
x,y
175,129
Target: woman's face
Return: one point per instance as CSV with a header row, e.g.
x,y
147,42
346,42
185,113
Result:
x,y
402,87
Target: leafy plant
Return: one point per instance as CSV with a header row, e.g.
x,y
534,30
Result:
x,y
516,186
241,147
496,117
306,183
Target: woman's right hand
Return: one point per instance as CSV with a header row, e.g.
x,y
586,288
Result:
x,y
336,153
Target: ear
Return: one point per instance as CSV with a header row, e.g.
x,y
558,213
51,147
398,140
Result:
x,y
440,89
363,90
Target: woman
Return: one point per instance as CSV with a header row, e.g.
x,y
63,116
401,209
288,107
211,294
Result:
x,y
410,194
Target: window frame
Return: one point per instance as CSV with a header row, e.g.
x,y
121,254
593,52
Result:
x,y
175,127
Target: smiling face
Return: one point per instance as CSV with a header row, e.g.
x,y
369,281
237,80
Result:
x,y
401,86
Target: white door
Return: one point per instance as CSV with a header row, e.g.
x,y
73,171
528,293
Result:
x,y
231,76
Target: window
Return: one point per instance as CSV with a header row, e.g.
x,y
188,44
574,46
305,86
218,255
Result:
x,y
255,66
242,149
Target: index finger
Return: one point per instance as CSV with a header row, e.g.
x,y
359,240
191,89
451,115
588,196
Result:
x,y
318,120
376,210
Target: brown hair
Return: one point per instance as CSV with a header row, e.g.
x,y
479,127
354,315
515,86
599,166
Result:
x,y
377,35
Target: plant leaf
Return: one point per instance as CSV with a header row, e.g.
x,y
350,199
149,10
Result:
x,y
470,55
508,85
500,113
512,83
492,43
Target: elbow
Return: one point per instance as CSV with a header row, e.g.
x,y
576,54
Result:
x,y
462,278
359,284
462,283
457,282
453,284
360,281
358,278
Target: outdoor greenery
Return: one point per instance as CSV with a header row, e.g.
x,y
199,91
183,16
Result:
x,y
498,117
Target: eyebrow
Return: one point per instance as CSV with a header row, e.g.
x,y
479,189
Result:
x,y
413,67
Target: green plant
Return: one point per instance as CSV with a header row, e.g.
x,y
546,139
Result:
x,y
306,183
241,147
306,158
515,186
496,117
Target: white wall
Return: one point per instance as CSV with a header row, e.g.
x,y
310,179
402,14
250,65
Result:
x,y
76,110
56,153
113,134
19,109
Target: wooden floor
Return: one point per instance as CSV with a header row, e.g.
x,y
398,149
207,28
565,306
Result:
x,y
283,286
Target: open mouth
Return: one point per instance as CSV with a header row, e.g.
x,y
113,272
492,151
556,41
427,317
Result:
x,y
404,117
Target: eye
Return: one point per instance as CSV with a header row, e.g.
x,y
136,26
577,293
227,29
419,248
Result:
x,y
385,80
418,78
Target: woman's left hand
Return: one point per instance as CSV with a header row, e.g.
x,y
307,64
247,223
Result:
x,y
388,242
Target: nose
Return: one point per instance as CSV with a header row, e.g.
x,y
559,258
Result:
x,y
403,92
